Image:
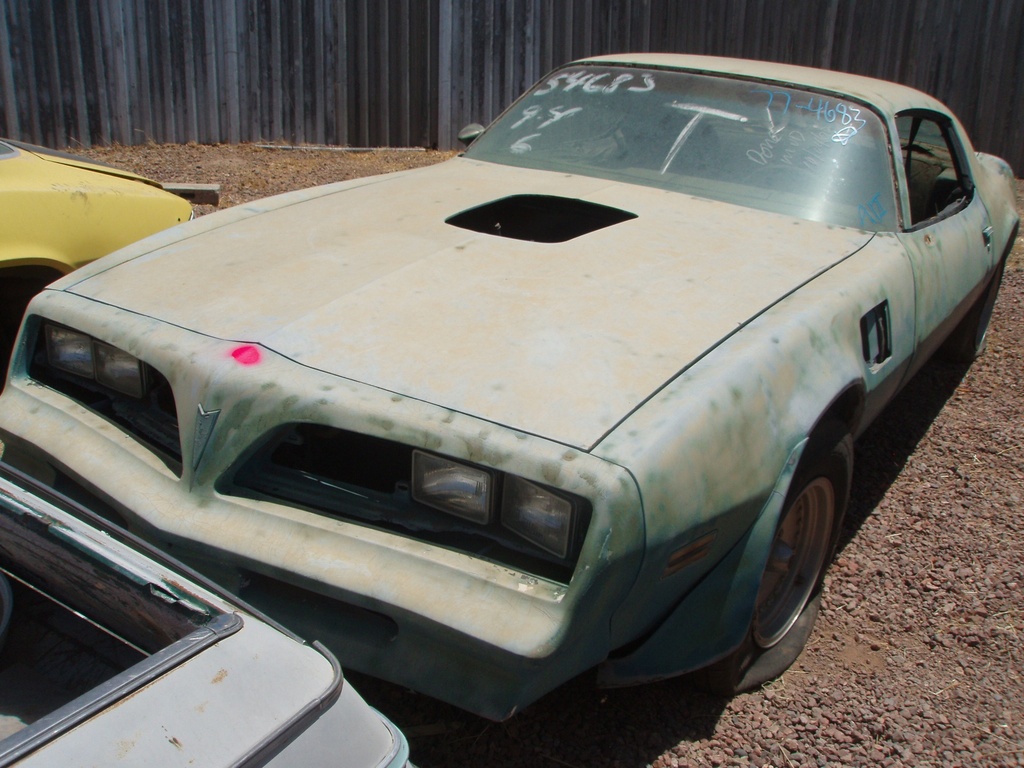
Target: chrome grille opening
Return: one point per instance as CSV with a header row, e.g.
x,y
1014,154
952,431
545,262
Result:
x,y
367,480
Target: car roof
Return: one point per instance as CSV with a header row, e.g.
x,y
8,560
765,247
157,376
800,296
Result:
x,y
885,96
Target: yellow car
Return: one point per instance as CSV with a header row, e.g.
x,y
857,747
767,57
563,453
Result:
x,y
62,211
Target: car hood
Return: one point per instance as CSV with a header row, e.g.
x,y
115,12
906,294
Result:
x,y
75,161
366,280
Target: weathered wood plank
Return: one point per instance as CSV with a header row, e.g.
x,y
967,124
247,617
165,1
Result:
x,y
341,31
82,134
446,55
208,100
98,75
117,71
142,96
11,118
47,32
319,81
229,45
166,130
295,74
276,62
197,194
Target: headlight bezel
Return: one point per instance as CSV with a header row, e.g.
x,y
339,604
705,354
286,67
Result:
x,y
151,418
502,508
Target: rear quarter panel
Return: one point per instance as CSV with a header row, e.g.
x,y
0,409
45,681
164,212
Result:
x,y
995,181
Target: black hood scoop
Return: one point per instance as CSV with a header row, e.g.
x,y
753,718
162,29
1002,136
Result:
x,y
539,218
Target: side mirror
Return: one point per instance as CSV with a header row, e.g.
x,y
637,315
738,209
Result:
x,y
468,134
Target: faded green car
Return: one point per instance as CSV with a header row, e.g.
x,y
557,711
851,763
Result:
x,y
584,396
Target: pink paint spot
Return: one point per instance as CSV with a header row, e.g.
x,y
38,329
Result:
x,y
246,354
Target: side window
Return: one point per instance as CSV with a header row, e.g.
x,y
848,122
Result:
x,y
936,182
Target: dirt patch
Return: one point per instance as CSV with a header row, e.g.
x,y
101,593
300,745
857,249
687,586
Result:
x,y
918,655
248,172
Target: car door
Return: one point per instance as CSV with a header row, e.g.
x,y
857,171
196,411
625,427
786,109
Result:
x,y
947,233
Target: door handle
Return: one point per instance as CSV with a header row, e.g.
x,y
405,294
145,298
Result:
x,y
986,235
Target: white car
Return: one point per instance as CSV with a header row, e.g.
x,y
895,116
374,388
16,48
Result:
x,y
110,653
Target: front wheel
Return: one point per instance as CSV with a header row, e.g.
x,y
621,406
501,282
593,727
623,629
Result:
x,y
795,562
789,596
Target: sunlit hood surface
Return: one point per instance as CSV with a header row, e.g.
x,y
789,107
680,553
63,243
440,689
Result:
x,y
555,339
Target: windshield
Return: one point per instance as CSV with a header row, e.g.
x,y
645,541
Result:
x,y
759,145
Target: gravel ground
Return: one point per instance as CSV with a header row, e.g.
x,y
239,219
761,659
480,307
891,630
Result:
x,y
917,657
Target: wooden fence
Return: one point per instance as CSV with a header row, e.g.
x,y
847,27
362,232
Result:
x,y
412,72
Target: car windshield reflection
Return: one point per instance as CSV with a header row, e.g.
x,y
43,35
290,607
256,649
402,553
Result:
x,y
778,149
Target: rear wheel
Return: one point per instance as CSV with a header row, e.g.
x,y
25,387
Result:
x,y
790,593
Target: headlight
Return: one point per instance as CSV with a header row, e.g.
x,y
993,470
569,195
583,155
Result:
x,y
452,487
69,351
119,370
84,356
544,518
537,515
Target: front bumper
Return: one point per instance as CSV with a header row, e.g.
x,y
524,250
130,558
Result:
x,y
475,633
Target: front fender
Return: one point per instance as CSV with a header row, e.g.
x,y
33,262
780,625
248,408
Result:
x,y
713,618
19,257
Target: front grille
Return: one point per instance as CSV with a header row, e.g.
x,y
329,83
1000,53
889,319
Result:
x,y
366,480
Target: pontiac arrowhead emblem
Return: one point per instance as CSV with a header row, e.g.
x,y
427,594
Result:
x,y
205,422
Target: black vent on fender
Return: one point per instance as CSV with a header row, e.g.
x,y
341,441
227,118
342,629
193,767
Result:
x,y
539,218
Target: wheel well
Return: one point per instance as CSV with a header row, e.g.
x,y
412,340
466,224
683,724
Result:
x,y
17,287
30,272
19,284
846,410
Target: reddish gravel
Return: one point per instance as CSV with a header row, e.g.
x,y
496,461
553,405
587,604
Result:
x,y
918,655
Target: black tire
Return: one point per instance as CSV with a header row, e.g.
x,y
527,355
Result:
x,y
790,594
967,341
